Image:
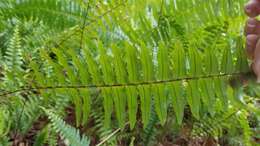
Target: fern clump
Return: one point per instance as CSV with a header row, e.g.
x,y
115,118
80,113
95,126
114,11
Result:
x,y
128,65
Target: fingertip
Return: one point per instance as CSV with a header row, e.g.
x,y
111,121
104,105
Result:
x,y
252,8
258,80
248,9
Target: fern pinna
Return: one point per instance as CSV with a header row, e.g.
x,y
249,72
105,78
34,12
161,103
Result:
x,y
160,54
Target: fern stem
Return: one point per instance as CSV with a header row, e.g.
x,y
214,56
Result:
x,y
23,89
89,23
84,24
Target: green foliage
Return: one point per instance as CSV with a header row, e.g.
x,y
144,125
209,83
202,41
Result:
x,y
67,132
56,13
4,123
139,58
149,131
223,125
13,61
150,87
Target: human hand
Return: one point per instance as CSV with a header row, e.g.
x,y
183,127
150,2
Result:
x,y
252,31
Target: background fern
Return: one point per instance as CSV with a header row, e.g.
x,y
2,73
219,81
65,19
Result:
x,y
66,131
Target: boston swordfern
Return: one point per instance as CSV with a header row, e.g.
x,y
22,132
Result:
x,y
134,55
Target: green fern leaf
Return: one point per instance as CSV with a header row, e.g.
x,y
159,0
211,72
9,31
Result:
x,y
178,100
120,96
146,103
66,131
132,93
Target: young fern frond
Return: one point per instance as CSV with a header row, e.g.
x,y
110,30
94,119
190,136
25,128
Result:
x,y
66,131
13,61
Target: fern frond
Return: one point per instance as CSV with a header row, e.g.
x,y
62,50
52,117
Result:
x,y
66,131
53,12
169,62
30,113
247,133
233,120
4,141
4,123
13,60
149,132
41,137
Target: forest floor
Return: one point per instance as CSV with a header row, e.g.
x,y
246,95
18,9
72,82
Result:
x,y
184,138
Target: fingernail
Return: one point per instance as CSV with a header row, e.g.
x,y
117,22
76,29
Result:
x,y
256,67
258,79
247,8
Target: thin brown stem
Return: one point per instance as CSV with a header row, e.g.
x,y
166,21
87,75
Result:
x,y
23,89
